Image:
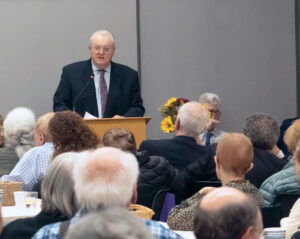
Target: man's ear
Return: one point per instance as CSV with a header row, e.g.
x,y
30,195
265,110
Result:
x,y
177,124
249,234
134,194
217,162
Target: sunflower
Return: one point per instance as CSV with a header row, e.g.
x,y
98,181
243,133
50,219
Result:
x,y
208,112
170,101
167,125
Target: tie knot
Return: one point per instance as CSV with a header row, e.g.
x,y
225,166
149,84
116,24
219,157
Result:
x,y
102,71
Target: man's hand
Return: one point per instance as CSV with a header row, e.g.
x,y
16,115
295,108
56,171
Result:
x,y
206,190
211,124
118,117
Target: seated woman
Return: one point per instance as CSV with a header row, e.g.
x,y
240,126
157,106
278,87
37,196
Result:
x,y
58,199
285,181
155,172
18,129
70,133
233,160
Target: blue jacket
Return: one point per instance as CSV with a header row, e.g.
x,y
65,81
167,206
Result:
x,y
285,181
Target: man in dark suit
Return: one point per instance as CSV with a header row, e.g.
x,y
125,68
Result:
x,y
99,86
183,149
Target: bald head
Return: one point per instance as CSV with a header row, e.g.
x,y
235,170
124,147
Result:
x,y
192,117
235,153
222,197
227,213
106,176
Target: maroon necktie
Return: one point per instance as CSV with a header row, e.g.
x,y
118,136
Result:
x,y
103,91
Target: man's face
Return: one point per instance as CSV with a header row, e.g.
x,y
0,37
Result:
x,y
215,113
101,50
1,136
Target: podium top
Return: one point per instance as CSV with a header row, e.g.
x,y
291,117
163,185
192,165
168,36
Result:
x,y
146,118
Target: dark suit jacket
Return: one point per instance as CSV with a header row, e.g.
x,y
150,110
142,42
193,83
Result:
x,y
76,91
264,165
181,151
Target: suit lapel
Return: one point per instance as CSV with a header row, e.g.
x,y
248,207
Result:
x,y
90,100
114,87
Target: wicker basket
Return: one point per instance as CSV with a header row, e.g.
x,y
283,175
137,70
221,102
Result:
x,y
141,211
9,188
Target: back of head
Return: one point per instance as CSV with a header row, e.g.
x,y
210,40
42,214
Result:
x,y
111,223
292,135
19,129
58,186
106,177
228,214
210,98
262,130
42,126
69,132
120,138
193,118
235,153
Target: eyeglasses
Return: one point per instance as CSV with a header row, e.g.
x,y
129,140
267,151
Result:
x,y
104,49
214,112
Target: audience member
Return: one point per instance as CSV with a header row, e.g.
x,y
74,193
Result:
x,y
156,173
19,137
284,126
233,160
107,177
211,134
292,222
112,223
70,133
263,132
58,199
183,149
1,132
32,167
226,213
284,181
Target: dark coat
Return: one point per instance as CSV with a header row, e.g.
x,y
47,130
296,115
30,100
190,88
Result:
x,y
76,90
265,164
180,151
26,228
155,174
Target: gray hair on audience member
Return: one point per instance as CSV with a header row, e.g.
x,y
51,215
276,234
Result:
x,y
193,118
106,177
262,130
110,223
58,185
18,129
210,98
105,34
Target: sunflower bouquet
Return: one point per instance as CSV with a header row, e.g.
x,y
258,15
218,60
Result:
x,y
169,112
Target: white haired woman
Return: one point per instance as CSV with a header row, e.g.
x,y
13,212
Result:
x,y
58,199
18,129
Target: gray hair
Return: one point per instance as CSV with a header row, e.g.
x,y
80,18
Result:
x,y
210,98
228,222
57,188
107,176
110,223
105,34
262,130
193,118
18,129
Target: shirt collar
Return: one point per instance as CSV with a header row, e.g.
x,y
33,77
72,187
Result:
x,y
95,68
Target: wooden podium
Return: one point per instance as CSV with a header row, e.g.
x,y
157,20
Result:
x,y
136,125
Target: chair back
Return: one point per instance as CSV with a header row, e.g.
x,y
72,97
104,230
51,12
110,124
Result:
x,y
158,203
9,187
287,201
141,211
194,186
271,216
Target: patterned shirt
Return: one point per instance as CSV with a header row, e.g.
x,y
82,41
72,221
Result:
x,y
32,167
51,231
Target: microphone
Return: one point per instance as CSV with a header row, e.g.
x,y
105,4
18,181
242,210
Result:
x,y
80,93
